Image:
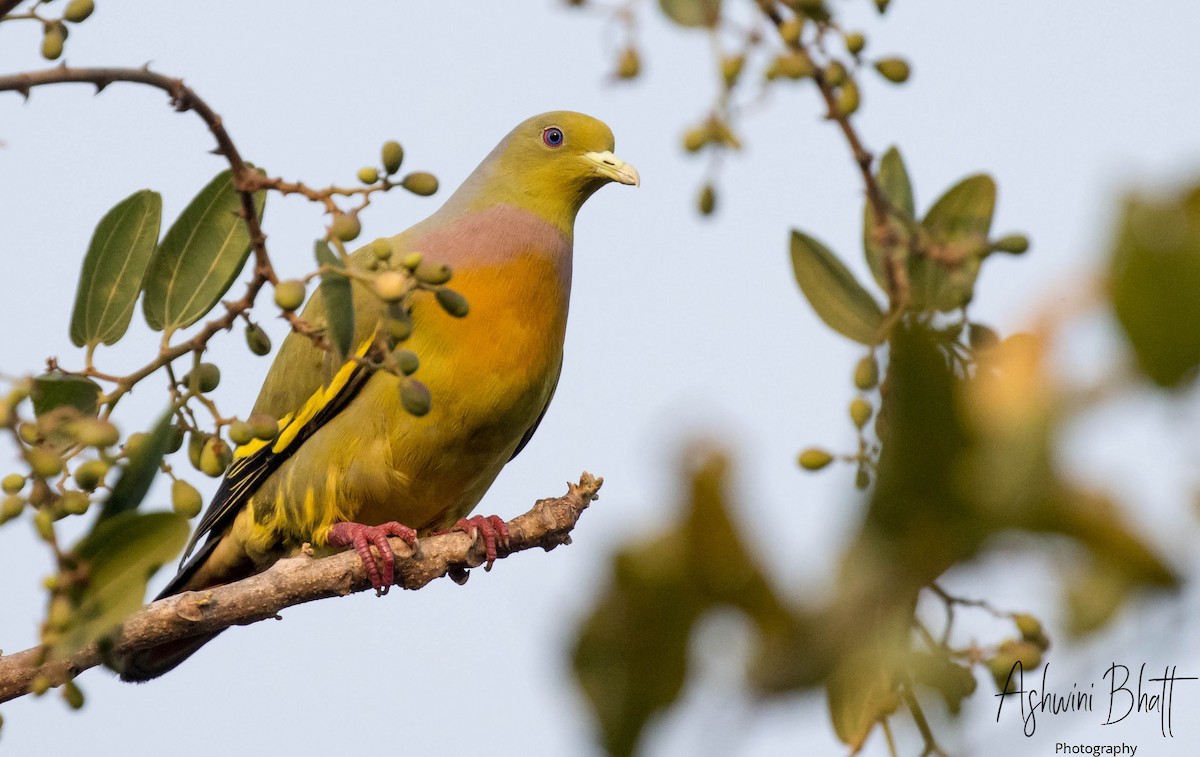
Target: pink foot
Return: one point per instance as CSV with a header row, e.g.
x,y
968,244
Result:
x,y
493,529
363,537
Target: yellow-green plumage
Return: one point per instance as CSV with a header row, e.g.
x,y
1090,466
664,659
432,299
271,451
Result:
x,y
507,235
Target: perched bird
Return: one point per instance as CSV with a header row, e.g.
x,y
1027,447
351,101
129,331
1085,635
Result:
x,y
350,466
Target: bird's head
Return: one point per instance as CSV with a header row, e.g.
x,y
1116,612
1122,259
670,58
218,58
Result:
x,y
550,164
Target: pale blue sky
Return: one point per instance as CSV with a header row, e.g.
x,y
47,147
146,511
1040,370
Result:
x,y
678,327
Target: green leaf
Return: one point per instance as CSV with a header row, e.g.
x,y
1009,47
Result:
x,y
139,471
957,228
893,180
119,556
861,691
57,389
1155,285
833,292
113,269
199,258
339,303
692,13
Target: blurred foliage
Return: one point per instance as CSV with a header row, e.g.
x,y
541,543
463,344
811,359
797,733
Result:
x,y
962,452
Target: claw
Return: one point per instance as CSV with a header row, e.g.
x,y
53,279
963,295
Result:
x,y
492,527
362,538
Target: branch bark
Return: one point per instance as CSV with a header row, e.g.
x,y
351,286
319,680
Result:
x,y
303,579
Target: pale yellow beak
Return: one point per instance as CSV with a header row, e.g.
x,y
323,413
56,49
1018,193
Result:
x,y
612,167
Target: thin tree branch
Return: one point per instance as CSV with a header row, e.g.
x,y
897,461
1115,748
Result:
x,y
303,579
6,6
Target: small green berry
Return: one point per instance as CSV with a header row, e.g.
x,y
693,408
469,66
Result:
x,y
434,274
215,457
1013,244
391,286
44,463
452,302
629,64
855,42
866,373
265,427
73,695
75,503
78,10
345,227
420,183
204,378
415,398
12,483
368,175
407,361
895,70
860,412
381,248
814,459
186,499
91,474
289,295
52,41
393,156
257,340
241,432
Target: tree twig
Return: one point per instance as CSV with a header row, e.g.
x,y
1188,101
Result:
x,y
303,579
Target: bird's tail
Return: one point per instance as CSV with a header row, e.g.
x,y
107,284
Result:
x,y
151,662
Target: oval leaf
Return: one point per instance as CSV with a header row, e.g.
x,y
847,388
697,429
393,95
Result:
x,y
1155,277
113,269
339,304
199,258
834,293
692,13
139,471
893,180
56,389
119,556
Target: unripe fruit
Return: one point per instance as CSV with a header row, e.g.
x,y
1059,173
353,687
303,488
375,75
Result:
x,y
12,483
412,261
91,474
790,30
73,695
848,98
93,432
414,396
52,41
393,156
345,227
629,64
452,302
895,70
289,295
707,202
794,65
391,286
814,459
241,432
855,42
43,521
136,441
1013,244
257,340
434,274
185,499
731,68
39,685
1029,626
866,373
196,442
75,503
695,139
175,439
215,457
28,433
265,427
407,361
835,74
11,507
881,5
78,10
420,183
860,412
381,248
44,463
368,175
398,327
203,378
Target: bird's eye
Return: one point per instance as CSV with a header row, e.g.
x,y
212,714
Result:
x,y
553,136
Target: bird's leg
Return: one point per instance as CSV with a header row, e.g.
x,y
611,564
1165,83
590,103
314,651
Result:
x,y
493,529
363,537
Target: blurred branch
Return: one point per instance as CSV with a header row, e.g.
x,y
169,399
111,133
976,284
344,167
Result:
x,y
6,6
304,579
